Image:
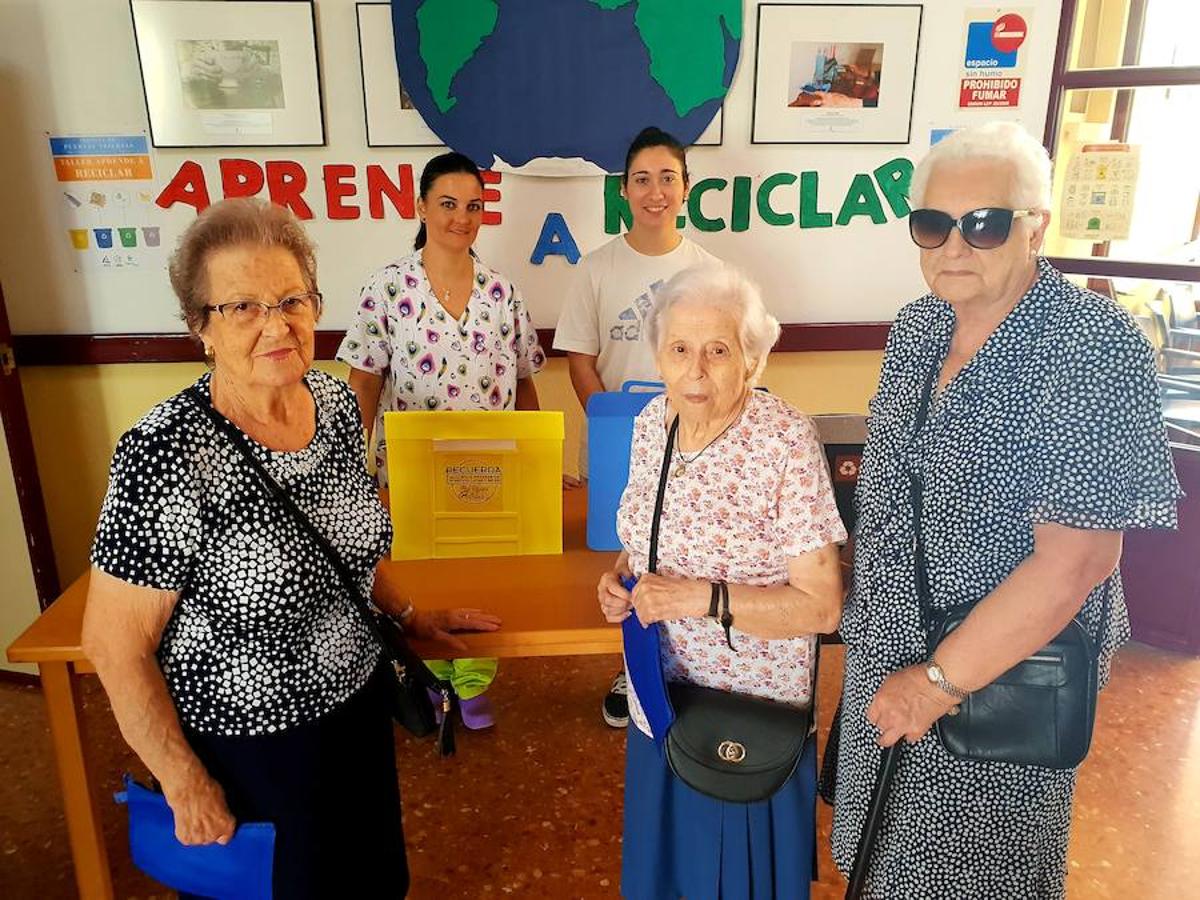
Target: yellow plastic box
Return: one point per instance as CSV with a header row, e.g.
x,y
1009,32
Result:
x,y
475,483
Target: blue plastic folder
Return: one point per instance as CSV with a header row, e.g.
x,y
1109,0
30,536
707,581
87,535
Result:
x,y
643,660
239,870
610,416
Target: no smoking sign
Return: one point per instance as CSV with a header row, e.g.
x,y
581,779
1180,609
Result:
x,y
1008,33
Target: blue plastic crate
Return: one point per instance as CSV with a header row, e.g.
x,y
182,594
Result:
x,y
610,432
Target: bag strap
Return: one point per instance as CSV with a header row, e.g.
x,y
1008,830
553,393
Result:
x,y
395,642
916,497
652,562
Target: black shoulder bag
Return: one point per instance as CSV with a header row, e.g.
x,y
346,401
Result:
x,y
411,706
728,746
1038,713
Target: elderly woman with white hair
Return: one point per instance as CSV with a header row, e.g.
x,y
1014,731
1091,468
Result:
x,y
747,507
1015,435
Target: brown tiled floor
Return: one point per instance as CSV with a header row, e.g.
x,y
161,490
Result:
x,y
533,809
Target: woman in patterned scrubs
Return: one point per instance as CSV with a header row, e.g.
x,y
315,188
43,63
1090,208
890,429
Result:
x,y
237,667
749,503
438,329
1043,442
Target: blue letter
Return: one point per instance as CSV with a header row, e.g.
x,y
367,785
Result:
x,y
555,240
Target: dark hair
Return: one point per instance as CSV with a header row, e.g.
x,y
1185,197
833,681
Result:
x,y
446,164
655,137
230,223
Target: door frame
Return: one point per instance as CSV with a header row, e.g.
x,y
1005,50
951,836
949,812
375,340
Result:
x,y
14,420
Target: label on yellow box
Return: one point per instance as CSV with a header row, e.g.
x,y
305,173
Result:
x,y
473,483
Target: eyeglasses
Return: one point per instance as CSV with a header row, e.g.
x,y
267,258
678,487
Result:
x,y
297,307
984,229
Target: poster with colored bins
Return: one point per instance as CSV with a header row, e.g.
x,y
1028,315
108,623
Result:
x,y
107,201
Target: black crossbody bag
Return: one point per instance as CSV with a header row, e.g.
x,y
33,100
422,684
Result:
x,y
1038,713
411,706
731,747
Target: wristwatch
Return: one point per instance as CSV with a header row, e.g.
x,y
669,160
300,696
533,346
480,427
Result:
x,y
933,671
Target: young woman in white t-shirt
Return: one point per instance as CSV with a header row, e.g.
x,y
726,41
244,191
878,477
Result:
x,y
600,326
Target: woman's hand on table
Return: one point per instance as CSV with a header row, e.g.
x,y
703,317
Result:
x,y
906,706
439,624
615,600
201,813
661,598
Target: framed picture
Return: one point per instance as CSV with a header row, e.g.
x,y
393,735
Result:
x,y
714,134
392,120
230,74
835,73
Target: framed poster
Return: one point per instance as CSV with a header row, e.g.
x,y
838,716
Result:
x,y
714,134
835,73
392,119
230,74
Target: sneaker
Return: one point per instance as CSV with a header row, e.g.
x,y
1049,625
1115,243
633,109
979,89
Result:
x,y
615,708
477,713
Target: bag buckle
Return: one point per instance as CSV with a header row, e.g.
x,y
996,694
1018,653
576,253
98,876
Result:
x,y
731,751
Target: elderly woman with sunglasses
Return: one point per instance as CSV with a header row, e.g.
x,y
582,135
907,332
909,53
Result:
x,y
238,669
1027,409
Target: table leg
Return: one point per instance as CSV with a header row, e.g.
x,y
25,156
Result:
x,y
92,874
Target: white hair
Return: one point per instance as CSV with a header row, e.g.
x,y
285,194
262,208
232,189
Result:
x,y
1000,142
724,287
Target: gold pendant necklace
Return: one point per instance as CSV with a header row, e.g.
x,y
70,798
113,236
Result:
x,y
680,468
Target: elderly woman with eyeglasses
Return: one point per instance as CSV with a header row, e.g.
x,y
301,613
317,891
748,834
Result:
x,y
237,666
746,503
1026,409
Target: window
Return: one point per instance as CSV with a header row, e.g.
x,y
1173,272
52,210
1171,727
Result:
x,y
1127,81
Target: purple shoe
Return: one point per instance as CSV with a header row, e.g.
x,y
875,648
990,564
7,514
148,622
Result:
x,y
477,712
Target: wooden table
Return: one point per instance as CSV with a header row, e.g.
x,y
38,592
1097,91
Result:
x,y
547,603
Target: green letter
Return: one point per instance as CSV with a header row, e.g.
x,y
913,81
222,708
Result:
x,y
616,207
765,211
697,216
741,203
810,216
861,200
894,178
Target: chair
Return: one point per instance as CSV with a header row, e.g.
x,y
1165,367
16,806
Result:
x,y
1175,344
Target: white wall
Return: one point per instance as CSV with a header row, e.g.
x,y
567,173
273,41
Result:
x,y
70,67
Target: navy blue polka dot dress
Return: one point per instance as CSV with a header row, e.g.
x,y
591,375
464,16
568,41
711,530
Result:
x,y
263,637
1056,420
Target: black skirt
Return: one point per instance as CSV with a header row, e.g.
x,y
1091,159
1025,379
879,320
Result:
x,y
330,787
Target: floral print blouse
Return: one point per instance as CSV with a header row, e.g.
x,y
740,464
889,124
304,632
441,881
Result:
x,y
756,498
432,361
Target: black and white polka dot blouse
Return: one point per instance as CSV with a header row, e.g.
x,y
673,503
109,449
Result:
x,y
1055,420
263,637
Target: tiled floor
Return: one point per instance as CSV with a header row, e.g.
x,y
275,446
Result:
x,y
533,809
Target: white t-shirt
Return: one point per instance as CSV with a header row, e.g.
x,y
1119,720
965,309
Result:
x,y
606,308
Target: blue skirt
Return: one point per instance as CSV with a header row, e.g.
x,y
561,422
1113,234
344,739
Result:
x,y
680,843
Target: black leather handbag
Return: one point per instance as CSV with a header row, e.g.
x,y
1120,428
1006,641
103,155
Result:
x,y
412,707
1038,713
727,746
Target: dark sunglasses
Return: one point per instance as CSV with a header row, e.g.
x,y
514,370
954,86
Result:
x,y
983,229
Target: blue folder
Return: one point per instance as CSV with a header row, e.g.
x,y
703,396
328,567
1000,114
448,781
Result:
x,y
643,661
239,870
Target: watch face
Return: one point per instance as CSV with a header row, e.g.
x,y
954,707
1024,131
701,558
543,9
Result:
x,y
933,672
